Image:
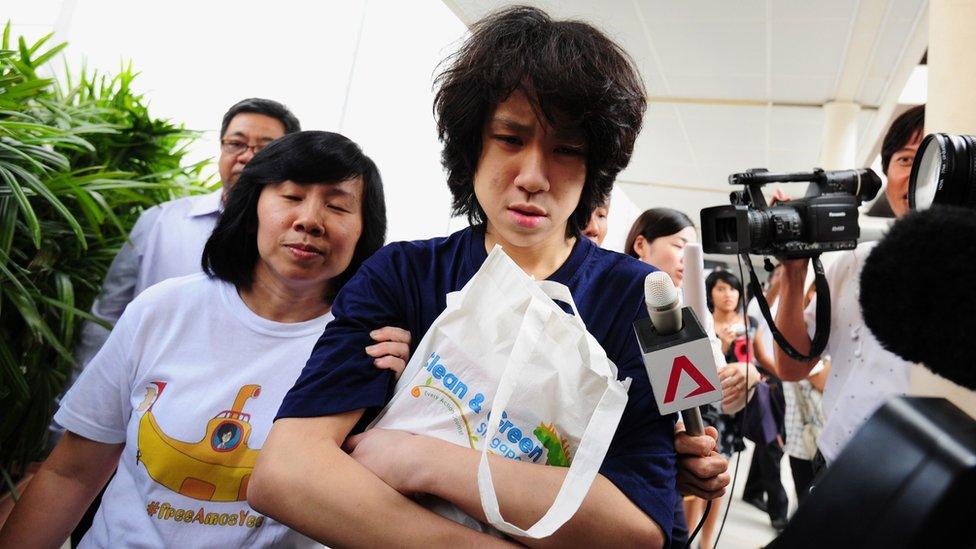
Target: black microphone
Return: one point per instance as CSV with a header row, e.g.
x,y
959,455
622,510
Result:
x,y
917,291
677,354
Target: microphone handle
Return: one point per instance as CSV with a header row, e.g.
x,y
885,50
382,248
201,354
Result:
x,y
693,421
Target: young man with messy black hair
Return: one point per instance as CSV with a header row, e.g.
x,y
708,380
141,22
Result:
x,y
537,118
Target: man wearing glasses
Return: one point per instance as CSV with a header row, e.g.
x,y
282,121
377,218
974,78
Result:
x,y
167,240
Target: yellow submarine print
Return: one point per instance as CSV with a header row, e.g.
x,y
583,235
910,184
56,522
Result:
x,y
216,468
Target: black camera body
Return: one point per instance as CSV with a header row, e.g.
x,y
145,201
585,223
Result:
x,y
825,220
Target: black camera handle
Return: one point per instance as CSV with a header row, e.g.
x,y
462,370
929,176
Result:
x,y
822,331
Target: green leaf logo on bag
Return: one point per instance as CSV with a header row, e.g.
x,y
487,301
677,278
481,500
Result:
x,y
557,449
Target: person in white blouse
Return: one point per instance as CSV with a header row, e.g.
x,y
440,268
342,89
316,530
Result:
x,y
863,374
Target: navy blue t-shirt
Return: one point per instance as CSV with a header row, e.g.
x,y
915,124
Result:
x,y
405,284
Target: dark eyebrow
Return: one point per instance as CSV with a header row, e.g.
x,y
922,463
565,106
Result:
x,y
242,136
511,124
573,135
335,189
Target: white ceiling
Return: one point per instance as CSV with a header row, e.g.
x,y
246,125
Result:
x,y
740,84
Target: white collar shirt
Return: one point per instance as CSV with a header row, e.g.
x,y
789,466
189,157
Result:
x,y
174,244
863,375
166,242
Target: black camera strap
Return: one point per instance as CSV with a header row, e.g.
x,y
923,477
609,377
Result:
x,y
823,312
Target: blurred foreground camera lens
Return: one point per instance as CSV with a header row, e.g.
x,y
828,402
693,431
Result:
x,y
944,172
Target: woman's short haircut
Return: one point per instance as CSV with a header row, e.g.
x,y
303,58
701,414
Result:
x,y
267,107
909,124
576,77
306,158
713,278
655,223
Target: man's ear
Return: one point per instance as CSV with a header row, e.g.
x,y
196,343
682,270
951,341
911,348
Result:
x,y
641,246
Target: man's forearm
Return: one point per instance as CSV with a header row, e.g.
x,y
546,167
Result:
x,y
764,356
316,488
526,491
789,321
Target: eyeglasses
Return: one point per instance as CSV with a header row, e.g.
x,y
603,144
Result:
x,y
236,147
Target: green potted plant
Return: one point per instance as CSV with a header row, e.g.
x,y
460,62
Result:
x,y
79,160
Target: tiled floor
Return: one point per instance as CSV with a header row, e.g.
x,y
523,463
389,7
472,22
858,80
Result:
x,y
746,527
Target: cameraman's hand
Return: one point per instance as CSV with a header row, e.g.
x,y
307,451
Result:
x,y
779,195
795,272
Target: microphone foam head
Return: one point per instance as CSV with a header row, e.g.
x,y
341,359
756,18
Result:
x,y
659,290
917,293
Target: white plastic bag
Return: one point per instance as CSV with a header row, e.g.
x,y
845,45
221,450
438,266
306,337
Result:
x,y
504,346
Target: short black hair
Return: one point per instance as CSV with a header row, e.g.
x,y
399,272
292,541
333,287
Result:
x,y
909,124
655,223
725,276
306,158
267,107
574,75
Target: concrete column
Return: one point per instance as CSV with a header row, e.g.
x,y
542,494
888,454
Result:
x,y
839,136
951,107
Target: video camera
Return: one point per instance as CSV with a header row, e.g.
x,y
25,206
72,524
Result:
x,y
824,220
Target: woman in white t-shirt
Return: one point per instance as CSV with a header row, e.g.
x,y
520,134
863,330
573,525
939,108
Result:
x,y
184,392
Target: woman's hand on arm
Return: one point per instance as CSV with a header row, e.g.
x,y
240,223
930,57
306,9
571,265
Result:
x,y
733,379
525,490
391,350
738,378
60,492
306,481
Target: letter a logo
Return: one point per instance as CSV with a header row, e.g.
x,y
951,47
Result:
x,y
682,364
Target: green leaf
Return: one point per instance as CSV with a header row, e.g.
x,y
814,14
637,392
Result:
x,y
17,153
15,280
29,215
42,190
11,370
37,324
66,296
84,315
37,45
8,223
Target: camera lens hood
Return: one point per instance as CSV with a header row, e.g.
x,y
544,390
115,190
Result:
x,y
944,172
